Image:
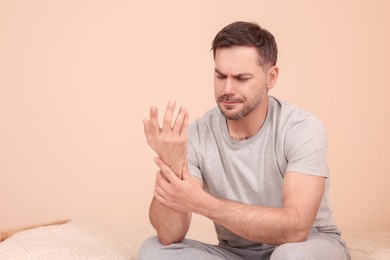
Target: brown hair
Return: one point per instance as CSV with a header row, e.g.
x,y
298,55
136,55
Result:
x,y
248,34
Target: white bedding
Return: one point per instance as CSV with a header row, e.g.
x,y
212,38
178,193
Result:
x,y
75,240
369,245
87,239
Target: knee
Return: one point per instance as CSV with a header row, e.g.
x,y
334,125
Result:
x,y
150,249
288,251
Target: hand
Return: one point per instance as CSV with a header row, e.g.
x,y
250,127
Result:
x,y
169,142
184,194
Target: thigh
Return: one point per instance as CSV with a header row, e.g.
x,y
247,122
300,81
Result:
x,y
317,246
187,249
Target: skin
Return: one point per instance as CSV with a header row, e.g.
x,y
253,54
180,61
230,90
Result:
x,y
241,86
170,141
170,144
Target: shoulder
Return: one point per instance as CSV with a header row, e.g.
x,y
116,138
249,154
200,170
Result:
x,y
302,139
293,119
206,124
298,130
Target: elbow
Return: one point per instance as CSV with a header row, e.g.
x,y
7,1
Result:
x,y
167,240
298,229
164,240
297,235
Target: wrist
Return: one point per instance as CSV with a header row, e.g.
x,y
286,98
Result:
x,y
177,168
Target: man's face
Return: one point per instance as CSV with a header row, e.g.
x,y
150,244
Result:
x,y
240,83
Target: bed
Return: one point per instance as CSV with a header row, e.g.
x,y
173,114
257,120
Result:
x,y
90,239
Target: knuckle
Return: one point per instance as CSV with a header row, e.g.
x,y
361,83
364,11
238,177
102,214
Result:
x,y
149,139
167,140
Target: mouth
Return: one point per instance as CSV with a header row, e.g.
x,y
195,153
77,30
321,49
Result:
x,y
229,101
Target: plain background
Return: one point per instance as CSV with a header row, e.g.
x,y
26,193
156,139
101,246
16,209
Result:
x,y
78,77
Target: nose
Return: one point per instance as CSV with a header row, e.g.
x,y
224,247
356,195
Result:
x,y
229,86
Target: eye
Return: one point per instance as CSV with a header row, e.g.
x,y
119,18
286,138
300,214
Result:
x,y
242,79
219,76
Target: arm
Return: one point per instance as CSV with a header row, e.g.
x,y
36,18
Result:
x,y
305,149
292,222
171,224
170,144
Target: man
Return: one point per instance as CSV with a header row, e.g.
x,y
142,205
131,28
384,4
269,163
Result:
x,y
256,166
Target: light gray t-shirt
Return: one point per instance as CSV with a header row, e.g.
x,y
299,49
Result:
x,y
251,171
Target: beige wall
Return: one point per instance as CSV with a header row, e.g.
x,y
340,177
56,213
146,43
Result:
x,y
77,77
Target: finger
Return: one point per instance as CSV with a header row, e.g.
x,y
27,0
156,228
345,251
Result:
x,y
148,132
159,191
168,174
146,124
184,127
162,182
167,121
155,127
165,171
160,198
160,175
179,120
159,185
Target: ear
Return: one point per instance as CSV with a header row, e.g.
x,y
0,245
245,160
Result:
x,y
272,76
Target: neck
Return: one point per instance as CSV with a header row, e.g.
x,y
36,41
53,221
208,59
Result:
x,y
248,126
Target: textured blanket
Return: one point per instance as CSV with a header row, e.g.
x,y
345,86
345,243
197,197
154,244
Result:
x,y
86,239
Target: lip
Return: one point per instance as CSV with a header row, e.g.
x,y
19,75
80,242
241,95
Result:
x,y
230,102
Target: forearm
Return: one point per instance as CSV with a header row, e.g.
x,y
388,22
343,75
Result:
x,y
171,225
256,223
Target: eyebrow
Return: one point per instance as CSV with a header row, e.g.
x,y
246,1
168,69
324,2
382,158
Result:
x,y
235,76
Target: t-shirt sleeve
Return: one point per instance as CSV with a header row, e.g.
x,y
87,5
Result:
x,y
193,162
306,147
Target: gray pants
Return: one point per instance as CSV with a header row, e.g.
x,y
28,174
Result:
x,y
317,246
